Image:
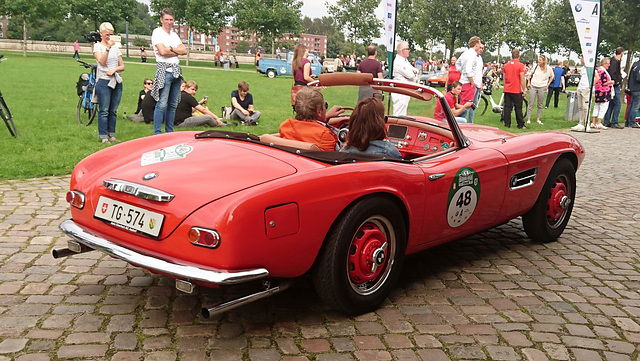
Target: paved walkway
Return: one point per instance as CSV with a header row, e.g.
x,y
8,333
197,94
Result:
x,y
492,296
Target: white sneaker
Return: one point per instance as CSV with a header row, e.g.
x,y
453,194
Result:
x,y
529,121
539,122
578,127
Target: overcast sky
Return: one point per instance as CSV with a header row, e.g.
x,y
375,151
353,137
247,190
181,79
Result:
x,y
317,8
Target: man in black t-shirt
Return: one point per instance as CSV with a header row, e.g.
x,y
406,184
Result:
x,y
184,112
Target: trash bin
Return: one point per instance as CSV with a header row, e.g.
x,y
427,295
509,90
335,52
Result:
x,y
573,112
226,65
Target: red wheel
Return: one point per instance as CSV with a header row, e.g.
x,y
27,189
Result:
x,y
362,256
558,202
549,216
367,259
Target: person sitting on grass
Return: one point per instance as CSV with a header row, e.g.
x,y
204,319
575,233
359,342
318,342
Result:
x,y
367,131
242,105
184,112
310,123
453,99
138,116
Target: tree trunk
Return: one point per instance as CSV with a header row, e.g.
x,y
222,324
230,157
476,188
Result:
x,y
24,38
452,44
627,66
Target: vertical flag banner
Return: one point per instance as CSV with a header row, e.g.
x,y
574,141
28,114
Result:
x,y
390,30
586,14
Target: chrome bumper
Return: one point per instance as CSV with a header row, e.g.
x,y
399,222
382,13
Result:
x,y
218,277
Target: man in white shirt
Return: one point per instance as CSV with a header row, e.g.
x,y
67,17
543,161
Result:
x,y
166,84
403,71
469,65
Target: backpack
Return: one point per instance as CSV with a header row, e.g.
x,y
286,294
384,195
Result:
x,y
82,83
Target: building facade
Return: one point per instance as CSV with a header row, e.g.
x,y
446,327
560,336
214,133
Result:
x,y
227,40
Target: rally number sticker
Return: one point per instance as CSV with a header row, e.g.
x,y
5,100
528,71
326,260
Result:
x,y
463,197
165,154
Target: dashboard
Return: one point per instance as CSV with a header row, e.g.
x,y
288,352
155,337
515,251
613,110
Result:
x,y
414,139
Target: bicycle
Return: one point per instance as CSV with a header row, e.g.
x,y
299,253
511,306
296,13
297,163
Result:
x,y
486,98
5,113
88,102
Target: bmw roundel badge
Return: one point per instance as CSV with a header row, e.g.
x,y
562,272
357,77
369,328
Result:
x,y
150,176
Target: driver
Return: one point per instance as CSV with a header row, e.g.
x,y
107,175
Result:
x,y
310,123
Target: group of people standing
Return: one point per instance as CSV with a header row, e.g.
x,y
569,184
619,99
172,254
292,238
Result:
x,y
162,96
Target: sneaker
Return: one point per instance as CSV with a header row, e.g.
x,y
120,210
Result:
x,y
114,140
607,125
539,122
601,127
546,107
105,141
578,127
634,126
528,121
616,126
522,127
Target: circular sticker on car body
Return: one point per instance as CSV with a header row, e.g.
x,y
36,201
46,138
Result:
x,y
463,197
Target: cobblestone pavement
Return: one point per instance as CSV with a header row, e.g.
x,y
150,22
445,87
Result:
x,y
493,296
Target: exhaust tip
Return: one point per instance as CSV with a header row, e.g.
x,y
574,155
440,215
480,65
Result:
x,y
205,312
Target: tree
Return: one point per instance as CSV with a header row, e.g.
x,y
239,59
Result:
x,y
357,17
455,21
27,12
325,25
269,18
98,11
141,23
205,16
510,28
621,20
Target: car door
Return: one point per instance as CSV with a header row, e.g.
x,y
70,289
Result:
x,y
465,190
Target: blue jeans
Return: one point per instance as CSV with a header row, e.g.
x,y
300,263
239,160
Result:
x,y
611,116
108,102
168,99
634,105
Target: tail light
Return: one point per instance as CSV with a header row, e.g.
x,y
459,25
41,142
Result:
x,y
204,237
76,199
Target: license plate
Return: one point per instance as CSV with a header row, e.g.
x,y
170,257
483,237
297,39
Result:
x,y
131,218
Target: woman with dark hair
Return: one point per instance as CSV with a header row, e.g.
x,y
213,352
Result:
x,y
367,130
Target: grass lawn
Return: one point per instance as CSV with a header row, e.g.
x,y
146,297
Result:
x,y
40,90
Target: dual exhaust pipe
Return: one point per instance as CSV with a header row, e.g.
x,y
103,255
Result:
x,y
74,247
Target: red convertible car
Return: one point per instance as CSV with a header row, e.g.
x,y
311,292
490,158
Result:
x,y
219,209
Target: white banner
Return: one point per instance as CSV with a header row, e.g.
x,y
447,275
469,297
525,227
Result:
x,y
390,29
586,14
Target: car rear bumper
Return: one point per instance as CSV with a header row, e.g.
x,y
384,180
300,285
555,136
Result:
x,y
190,273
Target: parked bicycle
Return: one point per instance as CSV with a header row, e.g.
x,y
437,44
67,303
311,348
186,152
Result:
x,y
86,88
487,97
5,113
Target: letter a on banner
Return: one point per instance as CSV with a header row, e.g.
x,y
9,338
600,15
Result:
x,y
586,14
390,30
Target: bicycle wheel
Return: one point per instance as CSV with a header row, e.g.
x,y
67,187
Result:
x,y
5,114
86,111
525,107
483,104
